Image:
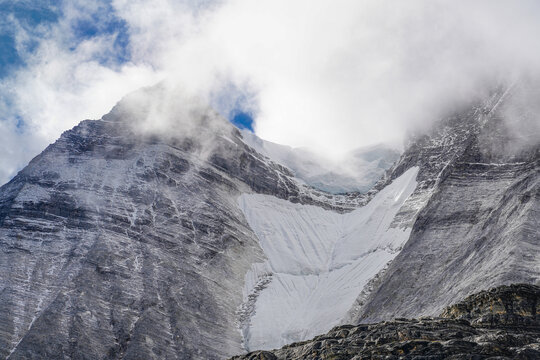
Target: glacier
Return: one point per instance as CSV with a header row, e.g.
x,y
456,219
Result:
x,y
319,260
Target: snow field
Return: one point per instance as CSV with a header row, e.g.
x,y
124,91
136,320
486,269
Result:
x,y
319,260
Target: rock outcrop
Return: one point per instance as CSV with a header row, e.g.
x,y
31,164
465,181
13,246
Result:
x,y
512,306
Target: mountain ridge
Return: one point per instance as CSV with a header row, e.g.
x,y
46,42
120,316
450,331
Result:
x,y
358,171
117,243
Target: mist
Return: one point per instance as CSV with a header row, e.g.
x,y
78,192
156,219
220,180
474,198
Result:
x,y
331,76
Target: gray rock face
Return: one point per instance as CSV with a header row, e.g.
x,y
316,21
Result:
x,y
120,250
479,223
115,244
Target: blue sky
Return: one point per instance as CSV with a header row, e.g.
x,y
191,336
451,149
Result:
x,y
29,15
36,17
242,120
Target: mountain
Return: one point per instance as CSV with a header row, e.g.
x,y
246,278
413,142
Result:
x,y
359,170
436,229
159,232
117,243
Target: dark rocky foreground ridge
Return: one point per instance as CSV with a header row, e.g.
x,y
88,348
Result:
x,y
500,323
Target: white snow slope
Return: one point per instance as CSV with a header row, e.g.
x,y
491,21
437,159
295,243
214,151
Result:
x,y
319,261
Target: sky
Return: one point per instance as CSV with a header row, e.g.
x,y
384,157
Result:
x,y
329,75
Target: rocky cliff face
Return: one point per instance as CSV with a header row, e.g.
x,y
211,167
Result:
x,y
479,221
499,323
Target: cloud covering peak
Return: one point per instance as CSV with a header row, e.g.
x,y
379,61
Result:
x,y
329,75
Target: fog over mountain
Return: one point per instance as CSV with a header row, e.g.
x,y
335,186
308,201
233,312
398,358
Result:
x,y
337,75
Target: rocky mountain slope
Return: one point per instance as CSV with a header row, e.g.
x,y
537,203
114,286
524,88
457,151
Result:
x,y
121,244
479,226
501,323
434,248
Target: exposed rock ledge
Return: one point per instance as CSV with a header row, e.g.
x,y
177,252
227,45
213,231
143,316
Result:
x,y
501,322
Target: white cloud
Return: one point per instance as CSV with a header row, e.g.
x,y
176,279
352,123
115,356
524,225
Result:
x,y
60,87
331,75
335,75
